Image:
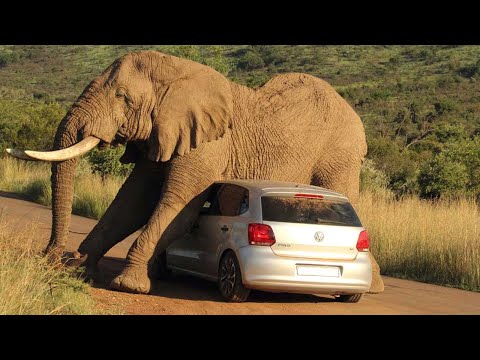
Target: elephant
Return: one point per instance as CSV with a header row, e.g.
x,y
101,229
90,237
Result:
x,y
185,126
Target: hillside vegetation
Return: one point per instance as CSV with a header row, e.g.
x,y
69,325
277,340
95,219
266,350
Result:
x,y
420,104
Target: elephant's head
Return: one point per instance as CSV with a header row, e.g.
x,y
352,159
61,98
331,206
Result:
x,y
170,104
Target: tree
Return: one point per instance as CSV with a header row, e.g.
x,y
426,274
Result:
x,y
251,60
456,169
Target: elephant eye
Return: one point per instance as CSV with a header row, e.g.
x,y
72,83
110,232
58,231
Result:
x,y
120,93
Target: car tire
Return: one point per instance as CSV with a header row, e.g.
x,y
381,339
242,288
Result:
x,y
350,298
230,279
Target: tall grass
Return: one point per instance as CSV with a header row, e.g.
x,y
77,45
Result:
x,y
32,180
430,241
30,285
436,242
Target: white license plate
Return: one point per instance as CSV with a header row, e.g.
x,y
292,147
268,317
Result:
x,y
311,270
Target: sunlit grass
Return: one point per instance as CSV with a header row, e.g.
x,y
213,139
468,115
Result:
x,y
31,285
436,242
32,180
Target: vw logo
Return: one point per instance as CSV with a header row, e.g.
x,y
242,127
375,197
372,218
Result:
x,y
319,236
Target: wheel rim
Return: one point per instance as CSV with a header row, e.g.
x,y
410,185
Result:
x,y
228,276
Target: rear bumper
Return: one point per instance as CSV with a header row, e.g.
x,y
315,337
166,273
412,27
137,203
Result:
x,y
263,270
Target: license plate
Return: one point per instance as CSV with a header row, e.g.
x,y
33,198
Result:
x,y
326,271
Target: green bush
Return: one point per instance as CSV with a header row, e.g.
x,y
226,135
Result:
x,y
470,71
106,162
445,106
211,55
442,177
250,61
7,58
372,178
456,169
29,125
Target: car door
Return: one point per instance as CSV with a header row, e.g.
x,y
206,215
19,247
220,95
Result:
x,y
215,227
187,252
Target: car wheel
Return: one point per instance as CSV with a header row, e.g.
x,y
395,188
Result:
x,y
350,298
230,279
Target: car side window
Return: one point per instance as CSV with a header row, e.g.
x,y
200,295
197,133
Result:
x,y
232,200
209,206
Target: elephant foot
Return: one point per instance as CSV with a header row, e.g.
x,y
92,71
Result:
x,y
377,282
54,256
90,272
133,279
377,285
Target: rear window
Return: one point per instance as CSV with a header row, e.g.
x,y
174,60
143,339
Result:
x,y
309,211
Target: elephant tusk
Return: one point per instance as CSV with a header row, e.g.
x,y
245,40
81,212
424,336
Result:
x,y
71,152
19,154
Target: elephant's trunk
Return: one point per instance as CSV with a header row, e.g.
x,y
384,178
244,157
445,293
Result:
x,y
62,180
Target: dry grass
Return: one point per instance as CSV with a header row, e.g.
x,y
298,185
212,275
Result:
x,y
436,242
32,180
30,285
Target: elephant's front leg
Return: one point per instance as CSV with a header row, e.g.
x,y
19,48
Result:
x,y
129,211
171,218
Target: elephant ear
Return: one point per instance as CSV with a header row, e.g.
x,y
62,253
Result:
x,y
196,108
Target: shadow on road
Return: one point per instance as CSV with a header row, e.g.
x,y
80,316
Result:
x,y
187,287
12,195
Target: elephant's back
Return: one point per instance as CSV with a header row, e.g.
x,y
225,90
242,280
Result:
x,y
292,92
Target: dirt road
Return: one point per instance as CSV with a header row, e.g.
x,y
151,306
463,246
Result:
x,y
187,295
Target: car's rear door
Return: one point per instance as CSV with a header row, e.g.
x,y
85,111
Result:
x,y
188,252
216,226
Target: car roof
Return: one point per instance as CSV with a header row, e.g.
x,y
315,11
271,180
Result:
x,y
264,186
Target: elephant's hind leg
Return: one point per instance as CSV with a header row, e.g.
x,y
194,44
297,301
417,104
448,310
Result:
x,y
346,181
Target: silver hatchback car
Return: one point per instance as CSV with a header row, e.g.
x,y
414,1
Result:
x,y
277,237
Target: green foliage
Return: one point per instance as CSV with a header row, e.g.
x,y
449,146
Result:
x,y
190,52
29,124
218,61
448,133
106,162
371,178
251,60
470,71
7,57
456,169
208,55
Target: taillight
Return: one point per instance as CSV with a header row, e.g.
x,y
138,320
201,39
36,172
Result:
x,y
363,241
260,234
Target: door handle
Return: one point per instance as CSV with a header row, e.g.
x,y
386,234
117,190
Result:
x,y
224,228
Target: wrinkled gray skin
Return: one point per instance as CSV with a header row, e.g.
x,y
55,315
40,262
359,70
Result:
x,y
186,126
